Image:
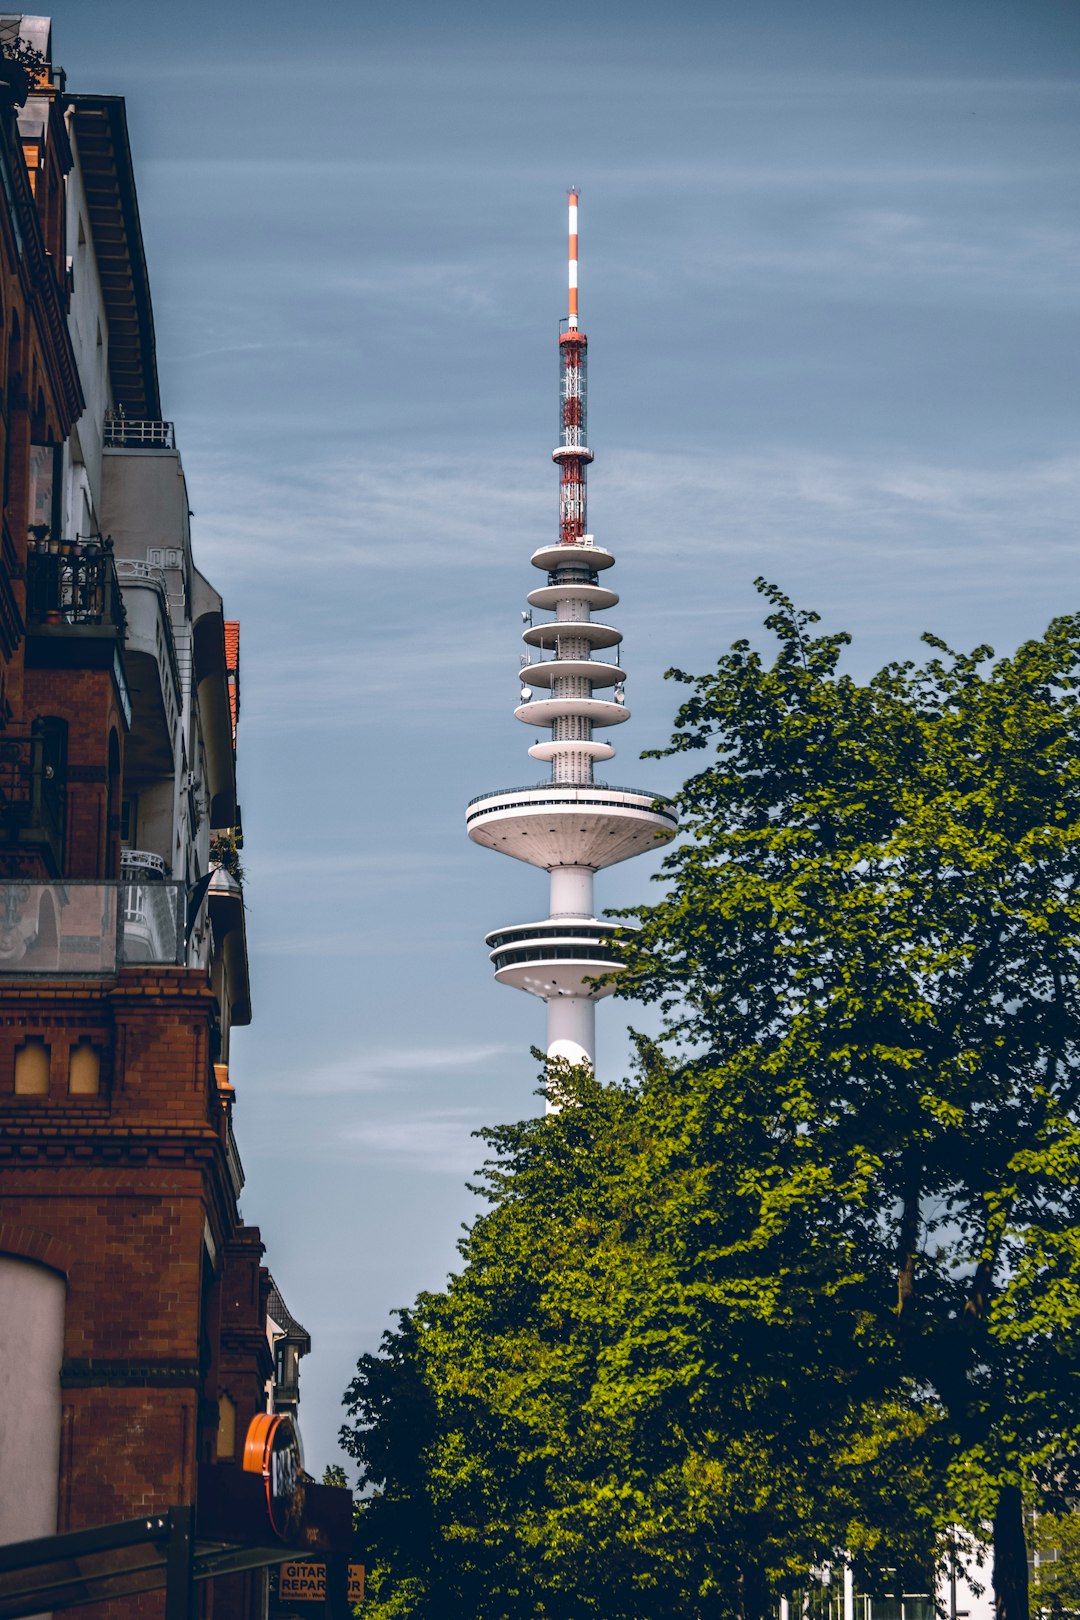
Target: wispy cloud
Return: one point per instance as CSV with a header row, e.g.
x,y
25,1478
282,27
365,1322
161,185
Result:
x,y
386,512
832,501
409,865
405,512
363,1069
876,253
434,1140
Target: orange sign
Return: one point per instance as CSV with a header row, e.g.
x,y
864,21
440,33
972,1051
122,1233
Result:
x,y
272,1449
306,1583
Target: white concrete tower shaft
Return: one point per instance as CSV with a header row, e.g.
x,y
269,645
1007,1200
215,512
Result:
x,y
571,825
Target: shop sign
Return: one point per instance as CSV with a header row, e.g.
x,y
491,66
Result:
x,y
301,1582
272,1448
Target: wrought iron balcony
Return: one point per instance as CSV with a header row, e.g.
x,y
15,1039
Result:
x,y
72,586
33,795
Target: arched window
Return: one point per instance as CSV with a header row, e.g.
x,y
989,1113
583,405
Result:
x,y
33,1061
84,1069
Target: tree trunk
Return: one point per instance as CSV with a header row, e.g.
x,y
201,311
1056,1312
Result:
x,y
1010,1557
754,1598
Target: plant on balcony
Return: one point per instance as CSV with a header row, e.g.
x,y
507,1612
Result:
x,y
225,853
21,66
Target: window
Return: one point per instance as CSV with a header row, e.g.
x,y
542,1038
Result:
x,y
45,472
84,1069
226,1427
32,1064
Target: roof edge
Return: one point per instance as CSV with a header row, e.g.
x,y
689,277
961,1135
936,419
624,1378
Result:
x,y
89,112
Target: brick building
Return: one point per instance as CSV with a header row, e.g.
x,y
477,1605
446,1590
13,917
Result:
x,y
134,1340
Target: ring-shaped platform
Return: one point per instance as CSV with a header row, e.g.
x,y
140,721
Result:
x,y
572,555
545,711
596,597
548,635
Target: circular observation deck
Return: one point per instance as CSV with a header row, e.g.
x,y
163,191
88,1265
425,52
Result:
x,y
549,634
573,554
583,750
597,598
551,824
556,957
547,710
545,671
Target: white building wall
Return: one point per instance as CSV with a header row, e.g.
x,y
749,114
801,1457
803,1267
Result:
x,y
32,1300
89,328
956,1596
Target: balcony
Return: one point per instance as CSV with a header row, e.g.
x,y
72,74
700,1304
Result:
x,y
152,669
121,434
142,866
33,795
72,586
77,929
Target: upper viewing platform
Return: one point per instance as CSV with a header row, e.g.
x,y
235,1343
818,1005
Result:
x,y
584,554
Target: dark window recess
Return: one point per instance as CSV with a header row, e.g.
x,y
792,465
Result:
x,y
567,953
33,790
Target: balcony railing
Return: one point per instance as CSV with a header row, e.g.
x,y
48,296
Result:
x,y
73,584
33,793
74,928
142,573
142,865
660,802
122,434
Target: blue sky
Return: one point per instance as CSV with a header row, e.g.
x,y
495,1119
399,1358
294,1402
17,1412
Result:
x,y
829,276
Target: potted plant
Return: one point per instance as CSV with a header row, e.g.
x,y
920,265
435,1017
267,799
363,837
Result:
x,y
21,66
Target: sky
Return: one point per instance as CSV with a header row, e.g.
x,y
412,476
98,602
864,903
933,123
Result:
x,y
829,263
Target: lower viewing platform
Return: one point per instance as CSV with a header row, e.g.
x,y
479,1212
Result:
x,y
559,956
552,824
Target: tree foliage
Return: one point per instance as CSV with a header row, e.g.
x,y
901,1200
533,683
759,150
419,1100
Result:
x,y
810,1284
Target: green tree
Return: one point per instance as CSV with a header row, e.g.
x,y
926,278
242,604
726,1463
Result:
x,y
606,1412
810,1285
1057,1565
875,911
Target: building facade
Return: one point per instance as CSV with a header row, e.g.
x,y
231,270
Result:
x,y
134,1338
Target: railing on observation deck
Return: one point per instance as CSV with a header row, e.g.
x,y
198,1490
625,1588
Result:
x,y
658,799
70,929
124,434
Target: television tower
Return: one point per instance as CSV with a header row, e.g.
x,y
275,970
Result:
x,y
572,825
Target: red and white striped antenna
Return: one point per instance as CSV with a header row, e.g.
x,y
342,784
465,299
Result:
x,y
572,310
572,452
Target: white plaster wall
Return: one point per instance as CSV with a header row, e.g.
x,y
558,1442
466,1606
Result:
x,y
31,1350
156,821
86,318
144,501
